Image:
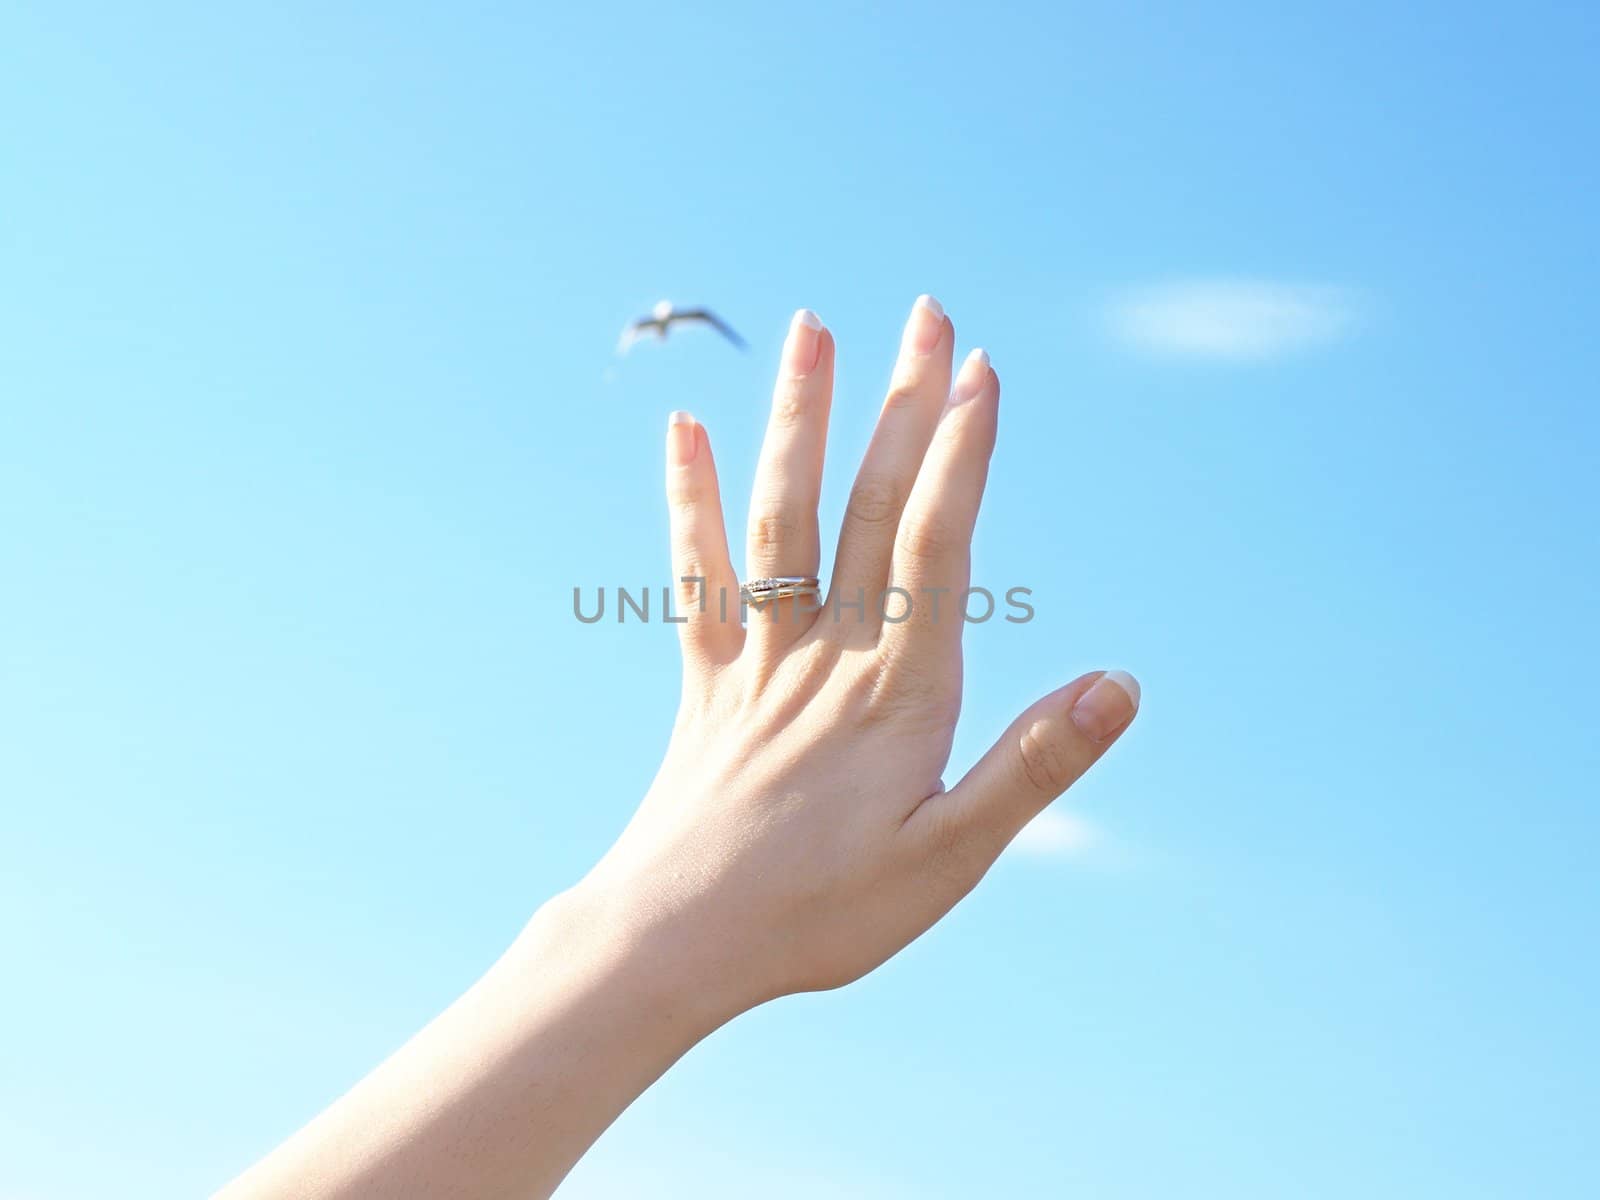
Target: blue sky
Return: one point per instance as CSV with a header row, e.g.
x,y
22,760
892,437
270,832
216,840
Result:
x,y
310,422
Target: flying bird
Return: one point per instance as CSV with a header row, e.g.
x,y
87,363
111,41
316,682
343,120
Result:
x,y
664,316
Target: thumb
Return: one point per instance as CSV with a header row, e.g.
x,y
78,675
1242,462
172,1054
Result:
x,y
1040,756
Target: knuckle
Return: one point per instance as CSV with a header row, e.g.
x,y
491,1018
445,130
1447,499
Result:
x,y
684,501
691,578
926,539
772,530
904,392
684,491
788,406
874,502
1044,761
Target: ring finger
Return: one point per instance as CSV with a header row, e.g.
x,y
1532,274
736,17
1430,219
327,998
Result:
x,y
783,536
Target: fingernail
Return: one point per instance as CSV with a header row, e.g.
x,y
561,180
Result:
x,y
926,326
973,375
804,343
1107,706
681,439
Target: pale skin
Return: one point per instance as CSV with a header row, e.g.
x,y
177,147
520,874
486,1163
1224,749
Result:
x,y
798,833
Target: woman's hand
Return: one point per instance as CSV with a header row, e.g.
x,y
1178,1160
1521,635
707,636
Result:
x,y
797,835
799,831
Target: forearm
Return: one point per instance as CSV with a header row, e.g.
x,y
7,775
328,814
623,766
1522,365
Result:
x,y
503,1092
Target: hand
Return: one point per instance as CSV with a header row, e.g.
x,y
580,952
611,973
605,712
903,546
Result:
x,y
799,832
797,835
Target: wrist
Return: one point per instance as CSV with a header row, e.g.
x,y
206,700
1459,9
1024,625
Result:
x,y
600,936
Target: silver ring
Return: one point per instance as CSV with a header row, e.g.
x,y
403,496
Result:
x,y
776,587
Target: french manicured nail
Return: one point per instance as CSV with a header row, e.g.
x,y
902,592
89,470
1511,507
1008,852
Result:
x,y
681,437
1107,706
804,344
926,326
973,375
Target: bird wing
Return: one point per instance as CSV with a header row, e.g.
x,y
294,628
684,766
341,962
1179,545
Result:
x,y
633,332
711,319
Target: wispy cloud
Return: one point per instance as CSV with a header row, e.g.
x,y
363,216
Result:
x,y
1237,319
1057,834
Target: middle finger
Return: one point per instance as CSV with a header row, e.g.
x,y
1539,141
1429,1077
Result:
x,y
905,427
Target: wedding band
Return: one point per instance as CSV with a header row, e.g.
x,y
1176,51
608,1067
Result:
x,y
759,591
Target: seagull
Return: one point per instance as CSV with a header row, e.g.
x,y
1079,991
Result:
x,y
663,317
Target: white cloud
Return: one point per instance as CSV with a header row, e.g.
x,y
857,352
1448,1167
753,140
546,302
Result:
x,y
1057,834
1240,320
